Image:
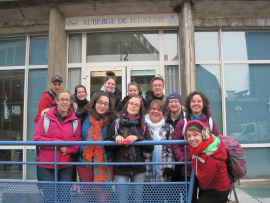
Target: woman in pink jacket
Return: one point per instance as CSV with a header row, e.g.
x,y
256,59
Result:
x,y
208,162
60,129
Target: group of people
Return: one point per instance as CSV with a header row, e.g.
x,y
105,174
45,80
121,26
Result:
x,y
108,118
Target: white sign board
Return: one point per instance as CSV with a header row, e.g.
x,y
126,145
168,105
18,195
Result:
x,y
123,21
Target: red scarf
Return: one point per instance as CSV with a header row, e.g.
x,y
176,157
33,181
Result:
x,y
97,153
199,149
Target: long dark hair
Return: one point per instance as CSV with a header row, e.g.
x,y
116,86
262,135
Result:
x,y
141,112
90,107
205,101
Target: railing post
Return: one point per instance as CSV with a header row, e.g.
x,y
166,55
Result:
x,y
55,174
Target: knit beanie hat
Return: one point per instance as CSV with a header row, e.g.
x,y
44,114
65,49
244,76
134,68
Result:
x,y
175,95
201,126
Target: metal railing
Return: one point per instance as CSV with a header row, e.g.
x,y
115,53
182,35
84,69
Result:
x,y
57,191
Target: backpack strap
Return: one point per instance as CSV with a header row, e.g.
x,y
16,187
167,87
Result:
x,y
183,131
211,123
46,123
75,124
164,99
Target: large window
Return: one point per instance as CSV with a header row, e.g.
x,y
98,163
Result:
x,y
13,93
245,89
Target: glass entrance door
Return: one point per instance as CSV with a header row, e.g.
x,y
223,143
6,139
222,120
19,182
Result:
x,y
142,75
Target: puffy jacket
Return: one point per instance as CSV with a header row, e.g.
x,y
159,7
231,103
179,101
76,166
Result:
x,y
57,132
178,150
46,101
212,174
120,157
104,131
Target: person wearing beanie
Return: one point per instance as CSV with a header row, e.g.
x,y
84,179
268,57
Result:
x,y
208,162
175,113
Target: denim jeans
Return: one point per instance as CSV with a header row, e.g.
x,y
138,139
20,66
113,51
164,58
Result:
x,y
63,192
132,193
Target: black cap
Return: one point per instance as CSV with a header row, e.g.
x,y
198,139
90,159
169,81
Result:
x,y
57,78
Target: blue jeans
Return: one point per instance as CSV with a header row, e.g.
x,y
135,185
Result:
x,y
132,193
63,191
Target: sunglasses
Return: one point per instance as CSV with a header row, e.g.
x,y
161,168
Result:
x,y
132,83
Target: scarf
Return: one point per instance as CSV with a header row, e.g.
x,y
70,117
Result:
x,y
196,117
156,129
128,127
97,153
199,149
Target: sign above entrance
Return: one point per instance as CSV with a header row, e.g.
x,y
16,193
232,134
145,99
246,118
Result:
x,y
123,21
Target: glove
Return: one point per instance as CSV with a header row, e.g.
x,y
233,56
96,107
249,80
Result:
x,y
168,172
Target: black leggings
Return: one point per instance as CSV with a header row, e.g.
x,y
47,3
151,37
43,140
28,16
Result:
x,y
213,196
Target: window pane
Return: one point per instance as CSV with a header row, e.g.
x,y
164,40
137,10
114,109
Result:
x,y
31,172
170,46
12,51
172,81
210,87
206,46
37,85
12,94
257,162
74,79
248,102
246,45
39,50
75,48
124,46
11,171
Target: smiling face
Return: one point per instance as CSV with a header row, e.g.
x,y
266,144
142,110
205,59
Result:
x,y
174,105
133,91
157,87
109,85
102,105
196,105
63,102
56,86
155,113
133,107
194,138
81,94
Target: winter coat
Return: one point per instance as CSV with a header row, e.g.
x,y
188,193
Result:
x,y
46,101
113,95
57,132
212,174
166,156
85,127
118,151
179,150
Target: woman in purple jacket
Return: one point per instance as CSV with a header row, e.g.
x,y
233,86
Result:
x,y
60,129
197,108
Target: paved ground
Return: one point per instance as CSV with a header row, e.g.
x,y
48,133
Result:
x,y
253,191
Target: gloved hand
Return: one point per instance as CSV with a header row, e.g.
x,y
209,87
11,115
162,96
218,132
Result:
x,y
168,172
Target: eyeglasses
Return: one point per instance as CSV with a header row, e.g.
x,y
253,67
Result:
x,y
132,83
155,109
134,104
63,100
173,101
99,102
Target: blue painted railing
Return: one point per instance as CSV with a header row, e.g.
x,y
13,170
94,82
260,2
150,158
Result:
x,y
36,191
